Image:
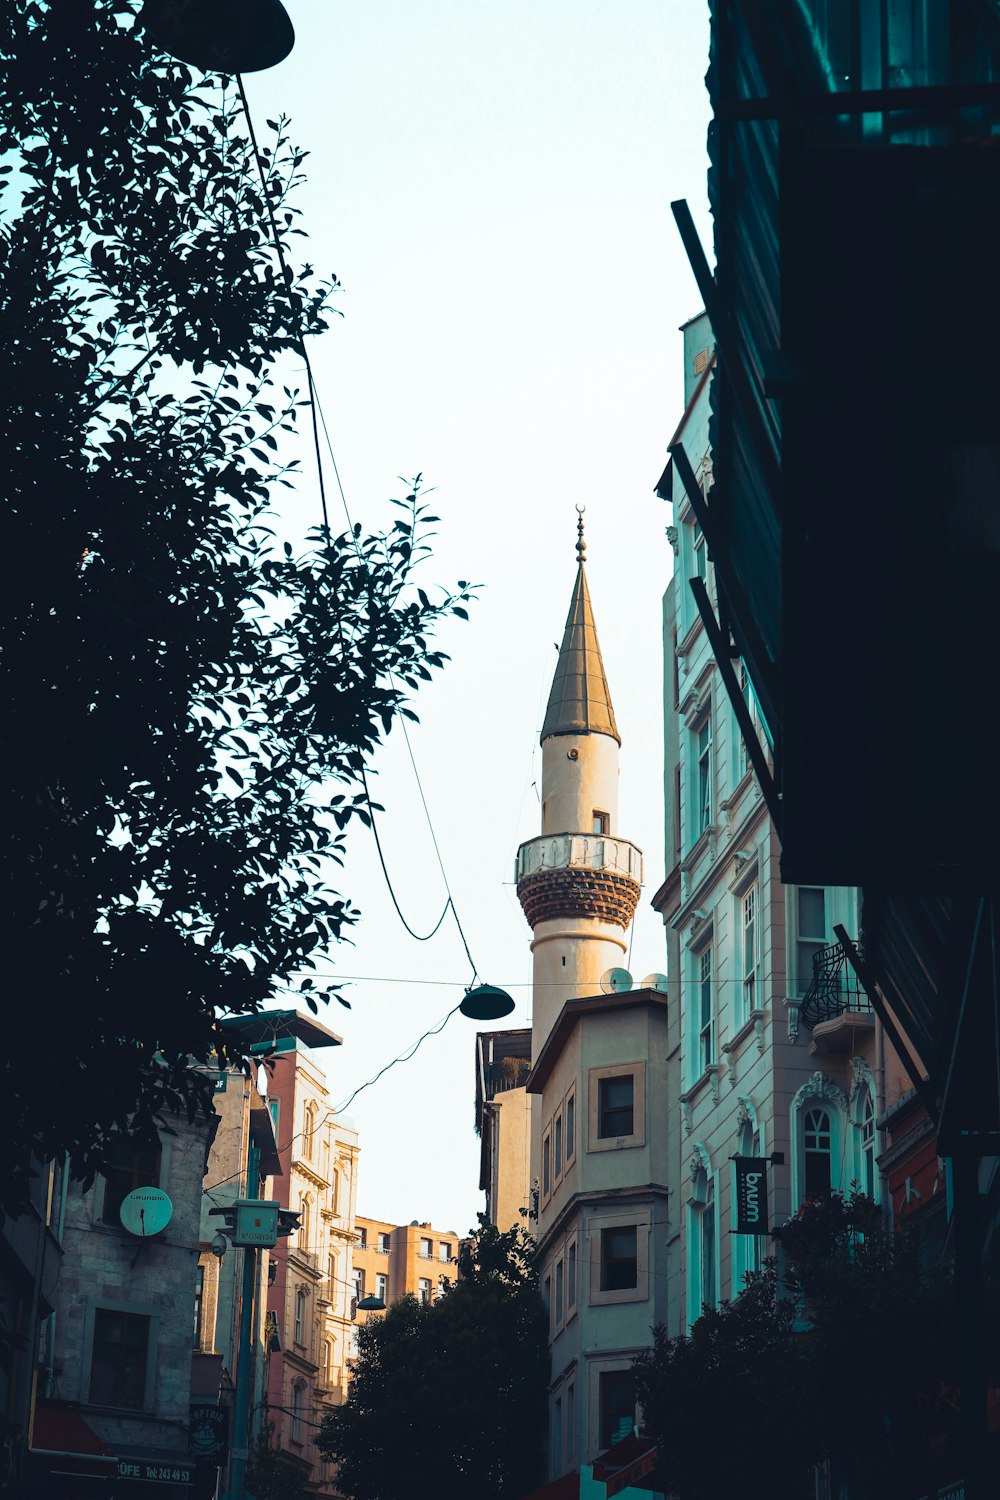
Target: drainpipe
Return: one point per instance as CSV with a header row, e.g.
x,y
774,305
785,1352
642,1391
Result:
x,y
883,1178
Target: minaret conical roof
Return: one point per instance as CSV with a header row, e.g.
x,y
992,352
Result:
x,y
579,700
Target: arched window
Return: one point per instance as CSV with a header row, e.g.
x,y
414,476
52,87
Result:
x,y
866,1143
702,1252
327,1362
304,1239
298,1402
301,1302
817,1153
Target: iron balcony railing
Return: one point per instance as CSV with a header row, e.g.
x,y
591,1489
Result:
x,y
835,990
589,851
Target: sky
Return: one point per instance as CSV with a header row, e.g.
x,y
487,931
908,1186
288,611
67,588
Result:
x,y
492,186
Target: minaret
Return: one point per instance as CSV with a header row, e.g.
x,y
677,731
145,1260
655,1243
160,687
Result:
x,y
579,882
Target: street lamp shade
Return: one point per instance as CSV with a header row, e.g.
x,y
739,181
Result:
x,y
486,1003
371,1303
221,36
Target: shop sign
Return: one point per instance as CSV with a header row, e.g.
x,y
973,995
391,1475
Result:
x,y
751,1195
155,1470
208,1434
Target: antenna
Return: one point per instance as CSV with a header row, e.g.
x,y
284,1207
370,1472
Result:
x,y
655,982
616,981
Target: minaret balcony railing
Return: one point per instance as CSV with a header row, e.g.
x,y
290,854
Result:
x,y
584,851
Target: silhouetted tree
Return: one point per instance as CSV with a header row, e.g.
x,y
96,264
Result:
x,y
847,1355
188,702
450,1398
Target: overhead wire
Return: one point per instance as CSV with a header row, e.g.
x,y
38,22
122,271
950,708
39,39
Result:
x,y
318,418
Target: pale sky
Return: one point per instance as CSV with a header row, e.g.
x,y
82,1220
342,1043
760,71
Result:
x,y
492,186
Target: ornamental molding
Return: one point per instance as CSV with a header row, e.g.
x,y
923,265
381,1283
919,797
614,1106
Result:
x,y
700,1161
792,1008
861,1074
819,1086
686,1115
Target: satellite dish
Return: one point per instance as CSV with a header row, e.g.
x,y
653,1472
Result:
x,y
616,981
655,982
145,1211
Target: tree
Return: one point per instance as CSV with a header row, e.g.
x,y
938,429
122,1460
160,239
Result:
x,y
190,699
848,1354
272,1474
450,1398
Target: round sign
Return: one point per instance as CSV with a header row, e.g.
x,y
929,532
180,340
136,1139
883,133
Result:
x,y
145,1211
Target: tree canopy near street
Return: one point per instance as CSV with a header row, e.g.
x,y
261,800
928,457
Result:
x,y
450,1398
189,696
848,1354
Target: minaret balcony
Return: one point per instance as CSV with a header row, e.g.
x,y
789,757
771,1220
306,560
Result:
x,y
579,875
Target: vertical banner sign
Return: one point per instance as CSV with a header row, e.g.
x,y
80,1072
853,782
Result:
x,y
751,1195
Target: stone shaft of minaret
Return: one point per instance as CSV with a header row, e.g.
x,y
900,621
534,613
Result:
x,y
579,881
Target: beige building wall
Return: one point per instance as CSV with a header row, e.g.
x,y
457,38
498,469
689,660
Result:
x,y
414,1258
509,1119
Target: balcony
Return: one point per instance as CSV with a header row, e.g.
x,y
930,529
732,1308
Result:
x,y
835,1006
579,851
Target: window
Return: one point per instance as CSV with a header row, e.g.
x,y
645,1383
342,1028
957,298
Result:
x,y
615,1106
750,698
118,1361
382,1286
558,1145
703,806
700,552
426,1249
547,1293
444,1250
308,1130
359,1282
706,1010
818,1152
750,988
602,822
327,1362
617,1405
131,1164
810,929
706,1247
199,1298
866,1122
304,1238
560,1285
383,1244
424,1290
571,1276
546,1173
619,1259
556,1444
298,1401
570,1422
570,1127
301,1297
363,1240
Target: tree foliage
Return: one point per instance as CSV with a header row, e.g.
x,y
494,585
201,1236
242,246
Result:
x,y
847,1354
188,699
450,1398
272,1474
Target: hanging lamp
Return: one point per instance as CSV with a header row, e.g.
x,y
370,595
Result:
x,y
486,1003
221,36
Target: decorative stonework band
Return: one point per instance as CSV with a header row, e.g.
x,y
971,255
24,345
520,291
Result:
x,y
605,894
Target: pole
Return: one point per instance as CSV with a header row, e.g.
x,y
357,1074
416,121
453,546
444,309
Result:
x,y
244,1355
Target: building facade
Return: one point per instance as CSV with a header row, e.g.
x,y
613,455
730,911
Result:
x,y
309,1300
115,1404
599,1076
778,1048
391,1260
503,1121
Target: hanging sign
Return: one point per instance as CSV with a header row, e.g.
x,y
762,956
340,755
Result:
x,y
208,1434
751,1195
